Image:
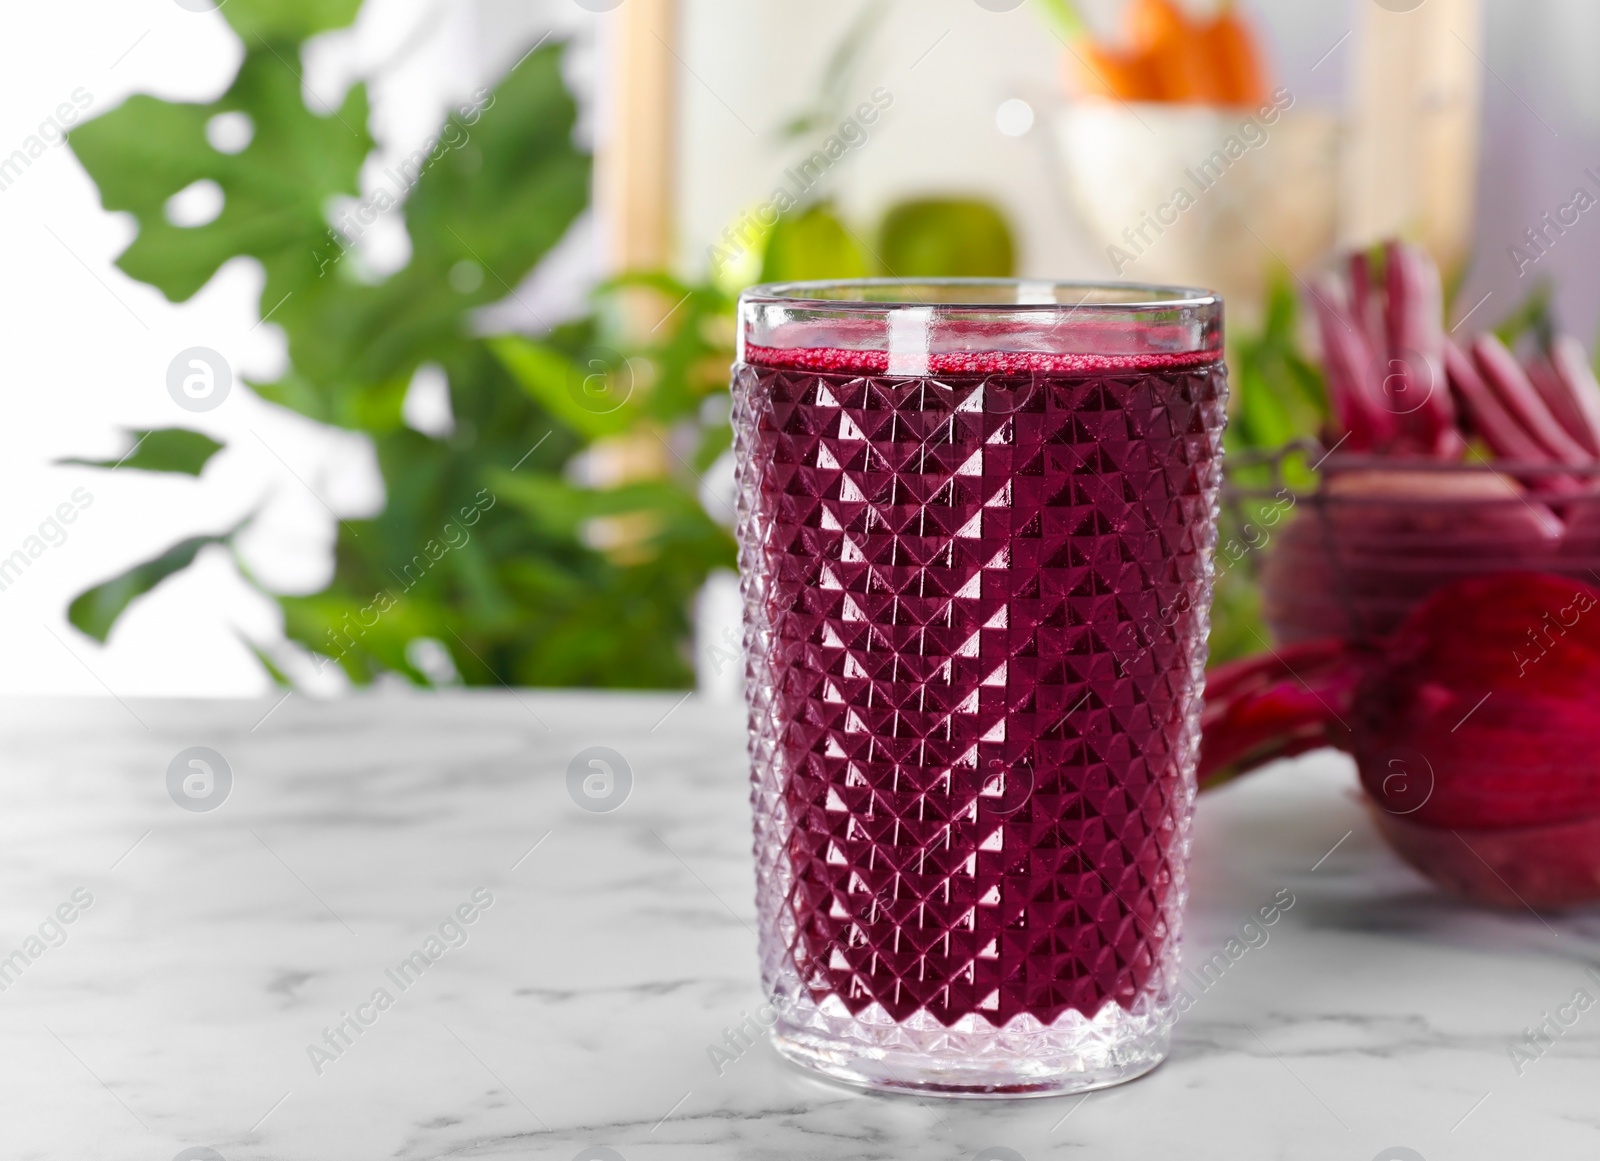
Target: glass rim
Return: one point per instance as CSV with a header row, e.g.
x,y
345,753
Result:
x,y
1024,294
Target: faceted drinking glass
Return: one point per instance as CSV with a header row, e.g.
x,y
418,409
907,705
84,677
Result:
x,y
976,523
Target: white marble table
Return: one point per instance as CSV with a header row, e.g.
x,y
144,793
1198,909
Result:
x,y
218,946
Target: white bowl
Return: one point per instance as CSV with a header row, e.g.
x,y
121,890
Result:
x,y
1202,196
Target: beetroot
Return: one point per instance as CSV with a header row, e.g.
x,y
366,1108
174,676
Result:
x,y
1551,865
1479,715
1376,541
1497,683
1419,627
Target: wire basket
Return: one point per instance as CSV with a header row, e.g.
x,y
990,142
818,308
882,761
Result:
x,y
1376,535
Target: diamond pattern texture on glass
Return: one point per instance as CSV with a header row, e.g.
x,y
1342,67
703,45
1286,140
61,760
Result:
x,y
975,614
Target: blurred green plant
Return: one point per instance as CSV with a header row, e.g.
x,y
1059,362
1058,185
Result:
x,y
168,449
595,435
485,544
1277,397
1533,315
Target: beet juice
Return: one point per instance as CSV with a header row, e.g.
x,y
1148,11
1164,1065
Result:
x,y
975,539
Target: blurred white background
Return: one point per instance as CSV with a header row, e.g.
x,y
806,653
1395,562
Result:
x,y
88,348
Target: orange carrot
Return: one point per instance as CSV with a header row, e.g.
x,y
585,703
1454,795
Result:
x,y
1184,70
1153,22
1171,58
1228,43
1106,72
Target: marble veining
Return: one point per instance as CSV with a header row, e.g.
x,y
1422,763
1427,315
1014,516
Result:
x,y
185,1006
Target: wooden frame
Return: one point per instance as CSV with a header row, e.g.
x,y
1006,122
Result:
x,y
634,166
1411,160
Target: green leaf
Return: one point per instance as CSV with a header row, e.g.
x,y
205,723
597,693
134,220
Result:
x,y
559,385
166,449
500,187
563,508
812,244
1278,395
292,20
146,150
1237,628
94,611
1063,17
946,238
278,676
494,563
1534,313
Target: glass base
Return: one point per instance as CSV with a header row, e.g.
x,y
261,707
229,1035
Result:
x,y
974,1059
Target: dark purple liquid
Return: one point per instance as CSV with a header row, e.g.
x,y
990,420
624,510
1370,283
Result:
x,y
977,613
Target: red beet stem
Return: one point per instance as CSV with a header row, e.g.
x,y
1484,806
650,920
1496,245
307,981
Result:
x,y
1505,378
1504,435
1274,706
1414,328
1347,357
1577,379
1251,674
1559,399
1361,298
